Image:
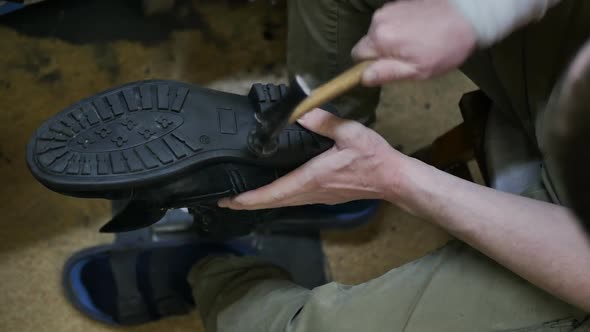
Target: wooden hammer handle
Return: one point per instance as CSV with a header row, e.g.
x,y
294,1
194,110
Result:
x,y
330,90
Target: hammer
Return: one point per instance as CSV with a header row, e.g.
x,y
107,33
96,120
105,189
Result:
x,y
263,140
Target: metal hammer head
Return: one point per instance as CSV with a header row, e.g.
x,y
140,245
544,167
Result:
x,y
263,139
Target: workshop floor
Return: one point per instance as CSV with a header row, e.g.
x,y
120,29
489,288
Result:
x,y
48,64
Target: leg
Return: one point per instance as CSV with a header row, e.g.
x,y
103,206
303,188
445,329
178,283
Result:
x,y
244,294
520,73
320,36
453,289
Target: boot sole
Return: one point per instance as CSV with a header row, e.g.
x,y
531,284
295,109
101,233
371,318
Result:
x,y
150,131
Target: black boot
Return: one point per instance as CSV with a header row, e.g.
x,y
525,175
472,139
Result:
x,y
166,144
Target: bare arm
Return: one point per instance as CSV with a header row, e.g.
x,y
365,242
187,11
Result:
x,y
542,242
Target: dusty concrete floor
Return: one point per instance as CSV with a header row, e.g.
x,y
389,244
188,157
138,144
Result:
x,y
39,75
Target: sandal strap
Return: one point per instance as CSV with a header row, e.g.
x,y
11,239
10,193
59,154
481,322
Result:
x,y
166,301
131,307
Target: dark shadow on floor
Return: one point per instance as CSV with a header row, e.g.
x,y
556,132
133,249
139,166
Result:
x,y
91,21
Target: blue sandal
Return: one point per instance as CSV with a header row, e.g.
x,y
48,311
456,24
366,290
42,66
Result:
x,y
120,285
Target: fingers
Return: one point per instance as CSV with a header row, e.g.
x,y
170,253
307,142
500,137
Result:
x,y
383,70
387,70
321,122
277,194
293,188
327,124
364,50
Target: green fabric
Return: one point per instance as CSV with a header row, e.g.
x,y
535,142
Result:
x,y
453,289
321,34
520,73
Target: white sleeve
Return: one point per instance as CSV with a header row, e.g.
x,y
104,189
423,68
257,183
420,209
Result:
x,y
493,20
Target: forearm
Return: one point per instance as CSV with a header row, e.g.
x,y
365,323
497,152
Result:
x,y
493,20
541,242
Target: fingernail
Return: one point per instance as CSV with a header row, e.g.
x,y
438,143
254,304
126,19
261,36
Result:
x,y
301,120
369,76
223,203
